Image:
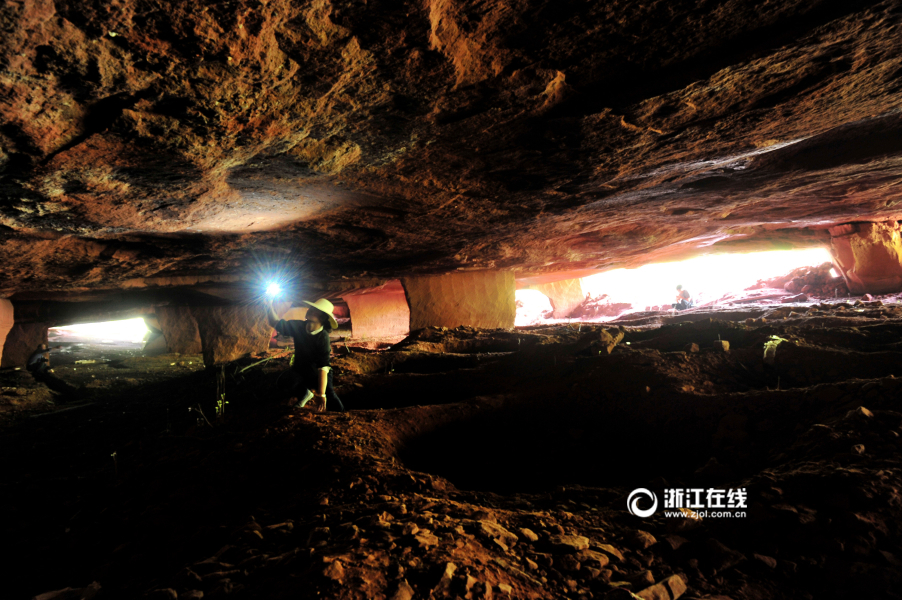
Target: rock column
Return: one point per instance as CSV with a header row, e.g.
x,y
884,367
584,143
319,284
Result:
x,y
21,341
6,322
474,298
220,333
869,256
378,314
565,295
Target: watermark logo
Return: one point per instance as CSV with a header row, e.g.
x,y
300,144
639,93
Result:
x,y
693,503
633,502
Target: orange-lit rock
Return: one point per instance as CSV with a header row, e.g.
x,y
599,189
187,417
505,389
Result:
x,y
869,255
180,329
473,298
229,332
21,341
378,314
220,333
6,322
565,296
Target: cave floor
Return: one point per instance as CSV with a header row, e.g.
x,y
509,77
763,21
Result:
x,y
475,464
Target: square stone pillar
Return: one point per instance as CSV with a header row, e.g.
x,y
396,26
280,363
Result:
x,y
474,298
6,322
21,341
220,333
378,314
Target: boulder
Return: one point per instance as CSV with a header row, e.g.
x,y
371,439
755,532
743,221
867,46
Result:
x,y
669,589
21,341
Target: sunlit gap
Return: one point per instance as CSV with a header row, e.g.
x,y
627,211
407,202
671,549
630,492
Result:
x,y
109,332
707,278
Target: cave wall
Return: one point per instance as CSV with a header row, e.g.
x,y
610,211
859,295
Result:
x,y
220,333
474,298
377,315
565,295
6,322
21,341
869,256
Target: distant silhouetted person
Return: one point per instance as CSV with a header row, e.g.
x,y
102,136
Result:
x,y
683,299
39,361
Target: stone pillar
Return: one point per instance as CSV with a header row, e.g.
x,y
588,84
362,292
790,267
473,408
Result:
x,y
869,256
220,333
6,322
21,341
565,295
474,298
180,329
378,314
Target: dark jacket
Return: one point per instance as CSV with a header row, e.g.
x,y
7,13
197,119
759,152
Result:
x,y
311,351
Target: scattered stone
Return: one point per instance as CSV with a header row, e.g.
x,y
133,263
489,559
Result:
x,y
867,298
691,348
505,588
443,587
529,534
674,541
858,449
425,539
569,543
620,593
598,560
641,580
722,345
765,560
720,557
69,593
860,413
334,570
404,591
639,540
669,589
497,533
798,298
610,551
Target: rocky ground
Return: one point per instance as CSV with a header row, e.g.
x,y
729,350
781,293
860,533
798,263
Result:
x,y
477,464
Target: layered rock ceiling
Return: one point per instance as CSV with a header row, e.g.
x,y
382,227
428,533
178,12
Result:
x,y
372,139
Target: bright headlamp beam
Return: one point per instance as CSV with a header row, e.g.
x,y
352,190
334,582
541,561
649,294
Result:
x,y
273,289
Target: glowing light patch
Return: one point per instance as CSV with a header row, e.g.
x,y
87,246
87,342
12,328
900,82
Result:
x,y
273,289
532,307
128,330
706,278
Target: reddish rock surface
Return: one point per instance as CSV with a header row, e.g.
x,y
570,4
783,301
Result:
x,y
869,256
377,315
6,322
143,140
477,299
21,341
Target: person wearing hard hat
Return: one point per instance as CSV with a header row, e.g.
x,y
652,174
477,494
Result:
x,y
310,375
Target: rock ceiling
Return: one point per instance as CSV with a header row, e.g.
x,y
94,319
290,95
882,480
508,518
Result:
x,y
145,138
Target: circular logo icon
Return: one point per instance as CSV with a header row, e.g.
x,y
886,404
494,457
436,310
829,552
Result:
x,y
632,503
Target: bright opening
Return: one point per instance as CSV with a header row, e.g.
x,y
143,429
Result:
x,y
130,331
706,278
273,289
533,307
